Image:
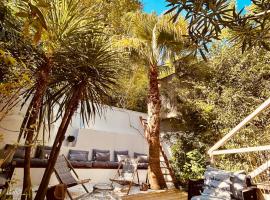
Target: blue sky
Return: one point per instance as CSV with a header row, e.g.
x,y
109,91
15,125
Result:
x,y
159,6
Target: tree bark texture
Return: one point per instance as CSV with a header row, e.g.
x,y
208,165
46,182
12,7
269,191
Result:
x,y
156,177
60,136
31,125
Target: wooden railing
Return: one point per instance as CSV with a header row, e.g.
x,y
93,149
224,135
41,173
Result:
x,y
214,150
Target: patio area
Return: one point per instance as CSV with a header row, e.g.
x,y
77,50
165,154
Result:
x,y
109,100
119,194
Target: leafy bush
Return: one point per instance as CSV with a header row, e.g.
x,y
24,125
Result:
x,y
188,164
208,109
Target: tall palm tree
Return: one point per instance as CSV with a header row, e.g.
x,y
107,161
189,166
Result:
x,y
49,22
153,41
83,81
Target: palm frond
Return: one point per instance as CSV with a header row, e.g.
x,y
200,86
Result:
x,y
85,58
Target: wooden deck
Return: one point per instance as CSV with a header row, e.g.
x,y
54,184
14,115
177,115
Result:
x,y
160,195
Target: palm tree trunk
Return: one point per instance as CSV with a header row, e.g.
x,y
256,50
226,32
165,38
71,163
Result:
x,y
60,136
32,116
156,177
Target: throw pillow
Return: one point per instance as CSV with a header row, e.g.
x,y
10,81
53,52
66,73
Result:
x,y
76,155
104,157
116,153
142,158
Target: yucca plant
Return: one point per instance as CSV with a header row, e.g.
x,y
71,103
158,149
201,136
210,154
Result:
x,y
153,42
83,81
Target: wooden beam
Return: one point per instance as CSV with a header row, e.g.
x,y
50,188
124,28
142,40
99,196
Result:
x,y
240,126
260,169
241,150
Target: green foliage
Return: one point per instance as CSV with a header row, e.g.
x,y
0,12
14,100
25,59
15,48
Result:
x,y
51,21
17,57
132,90
85,59
195,164
209,106
187,165
114,12
208,18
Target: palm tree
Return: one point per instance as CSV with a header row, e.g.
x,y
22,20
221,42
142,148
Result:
x,y
84,81
49,21
152,41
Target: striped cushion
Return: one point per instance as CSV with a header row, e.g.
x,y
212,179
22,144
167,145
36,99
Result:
x,y
238,180
217,183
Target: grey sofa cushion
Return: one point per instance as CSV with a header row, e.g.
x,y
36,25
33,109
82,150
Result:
x,y
113,165
100,164
35,162
105,165
103,157
43,152
20,150
239,183
116,153
81,164
77,155
201,197
19,153
142,165
100,155
142,158
217,183
122,157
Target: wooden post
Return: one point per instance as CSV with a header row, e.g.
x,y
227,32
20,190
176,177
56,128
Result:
x,y
241,150
260,169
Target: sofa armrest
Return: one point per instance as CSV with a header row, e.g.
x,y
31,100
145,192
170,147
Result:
x,y
195,187
250,193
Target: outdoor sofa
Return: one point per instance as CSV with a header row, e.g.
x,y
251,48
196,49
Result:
x,y
78,158
222,185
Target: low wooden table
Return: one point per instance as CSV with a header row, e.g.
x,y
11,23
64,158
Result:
x,y
103,191
99,187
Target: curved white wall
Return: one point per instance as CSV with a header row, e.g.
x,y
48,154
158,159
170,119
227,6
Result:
x,y
117,129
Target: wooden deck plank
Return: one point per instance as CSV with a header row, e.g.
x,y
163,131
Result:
x,y
160,195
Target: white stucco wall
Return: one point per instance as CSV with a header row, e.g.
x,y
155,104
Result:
x,y
113,121
117,129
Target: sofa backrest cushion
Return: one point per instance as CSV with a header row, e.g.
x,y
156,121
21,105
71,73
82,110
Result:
x,y
142,158
101,155
77,155
43,152
217,183
20,151
104,157
122,157
121,153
